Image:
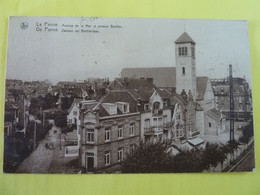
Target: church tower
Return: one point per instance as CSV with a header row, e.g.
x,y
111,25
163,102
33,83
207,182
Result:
x,y
185,65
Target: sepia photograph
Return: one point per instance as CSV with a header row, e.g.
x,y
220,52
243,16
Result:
x,y
89,95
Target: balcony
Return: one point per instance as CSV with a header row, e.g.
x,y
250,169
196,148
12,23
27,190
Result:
x,y
148,131
157,112
151,130
158,129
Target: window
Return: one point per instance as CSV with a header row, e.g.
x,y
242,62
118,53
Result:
x,y
156,105
107,134
132,127
155,122
146,107
160,122
147,123
125,107
183,51
209,124
107,158
75,113
120,154
165,119
90,135
120,132
183,70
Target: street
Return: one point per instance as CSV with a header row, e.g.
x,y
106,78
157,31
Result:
x,y
44,160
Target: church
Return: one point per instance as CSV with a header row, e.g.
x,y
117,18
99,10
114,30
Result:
x,y
183,79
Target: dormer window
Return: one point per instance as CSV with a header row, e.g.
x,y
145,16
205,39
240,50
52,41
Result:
x,y
110,108
123,106
146,106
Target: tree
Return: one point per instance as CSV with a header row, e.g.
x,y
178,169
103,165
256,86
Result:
x,y
50,101
34,106
60,118
147,158
247,133
213,155
188,161
233,145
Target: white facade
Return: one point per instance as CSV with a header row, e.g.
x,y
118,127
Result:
x,y
154,121
185,68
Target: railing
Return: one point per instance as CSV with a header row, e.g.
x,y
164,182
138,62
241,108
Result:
x,y
148,131
157,129
157,112
152,130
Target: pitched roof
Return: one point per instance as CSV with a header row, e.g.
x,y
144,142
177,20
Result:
x,y
75,101
159,75
185,38
214,113
201,87
133,83
117,96
143,93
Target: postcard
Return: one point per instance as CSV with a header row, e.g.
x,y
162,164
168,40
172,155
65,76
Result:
x,y
89,95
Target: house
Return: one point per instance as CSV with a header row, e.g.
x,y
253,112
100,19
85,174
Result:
x,y
153,105
73,121
74,112
109,130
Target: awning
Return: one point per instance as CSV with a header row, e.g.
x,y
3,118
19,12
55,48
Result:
x,y
195,141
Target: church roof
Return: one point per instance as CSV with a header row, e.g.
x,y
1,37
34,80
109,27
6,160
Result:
x,y
157,73
201,87
185,38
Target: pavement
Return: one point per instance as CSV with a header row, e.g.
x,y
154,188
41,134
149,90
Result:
x,y
43,160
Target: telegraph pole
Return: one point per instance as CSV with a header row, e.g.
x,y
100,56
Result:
x,y
231,104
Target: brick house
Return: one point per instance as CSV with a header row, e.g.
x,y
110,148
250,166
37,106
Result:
x,y
109,130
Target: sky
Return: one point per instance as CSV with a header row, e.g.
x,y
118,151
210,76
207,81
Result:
x,y
131,42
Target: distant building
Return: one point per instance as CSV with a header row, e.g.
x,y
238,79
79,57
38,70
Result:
x,y
242,98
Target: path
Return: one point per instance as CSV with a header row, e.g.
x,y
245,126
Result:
x,y
40,160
